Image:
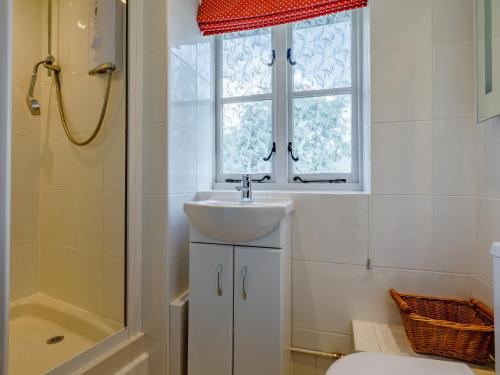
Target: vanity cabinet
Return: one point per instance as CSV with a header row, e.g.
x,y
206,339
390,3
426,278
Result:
x,y
239,309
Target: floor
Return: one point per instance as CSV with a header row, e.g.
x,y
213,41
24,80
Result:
x,y
391,339
38,318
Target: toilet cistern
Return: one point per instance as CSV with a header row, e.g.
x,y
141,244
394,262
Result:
x,y
245,188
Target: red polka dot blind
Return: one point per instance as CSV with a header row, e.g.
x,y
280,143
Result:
x,y
225,16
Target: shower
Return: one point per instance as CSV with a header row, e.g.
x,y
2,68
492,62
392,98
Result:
x,y
101,12
68,251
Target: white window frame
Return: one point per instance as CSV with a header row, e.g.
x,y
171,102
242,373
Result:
x,y
282,97
220,101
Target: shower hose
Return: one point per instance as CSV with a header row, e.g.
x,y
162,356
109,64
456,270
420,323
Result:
x,y
67,130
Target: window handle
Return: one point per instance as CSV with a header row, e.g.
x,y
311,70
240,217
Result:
x,y
335,181
289,57
271,153
290,151
259,180
273,58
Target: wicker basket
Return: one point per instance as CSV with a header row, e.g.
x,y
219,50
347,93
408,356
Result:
x,y
449,328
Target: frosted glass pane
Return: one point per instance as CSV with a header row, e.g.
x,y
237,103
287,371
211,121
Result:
x,y
246,137
322,134
245,58
322,50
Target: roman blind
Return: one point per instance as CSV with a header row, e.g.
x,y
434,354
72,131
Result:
x,y
225,16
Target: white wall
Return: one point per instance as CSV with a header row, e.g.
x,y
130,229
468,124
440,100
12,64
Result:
x,y
82,200
418,225
154,220
178,150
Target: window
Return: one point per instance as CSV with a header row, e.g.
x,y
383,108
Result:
x,y
287,103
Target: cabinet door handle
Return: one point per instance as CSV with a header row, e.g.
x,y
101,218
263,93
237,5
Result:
x,y
219,274
244,283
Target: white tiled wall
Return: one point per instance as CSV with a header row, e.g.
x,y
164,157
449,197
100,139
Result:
x,y
82,189
418,226
177,151
154,171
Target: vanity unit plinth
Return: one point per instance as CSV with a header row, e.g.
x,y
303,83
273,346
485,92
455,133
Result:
x,y
239,304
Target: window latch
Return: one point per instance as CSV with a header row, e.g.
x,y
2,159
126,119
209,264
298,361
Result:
x,y
335,181
289,57
273,150
290,151
273,55
259,181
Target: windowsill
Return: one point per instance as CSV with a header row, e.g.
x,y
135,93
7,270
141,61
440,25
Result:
x,y
310,189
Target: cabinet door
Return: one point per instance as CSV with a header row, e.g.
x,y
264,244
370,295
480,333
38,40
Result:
x,y
258,312
210,310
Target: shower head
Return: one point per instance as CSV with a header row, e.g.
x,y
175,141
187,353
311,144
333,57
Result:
x,y
33,106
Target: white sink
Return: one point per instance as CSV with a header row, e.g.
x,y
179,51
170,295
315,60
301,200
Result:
x,y
232,221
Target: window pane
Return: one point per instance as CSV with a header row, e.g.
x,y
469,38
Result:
x,y
245,58
322,50
322,134
246,137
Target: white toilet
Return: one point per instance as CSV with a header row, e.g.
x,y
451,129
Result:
x,y
383,364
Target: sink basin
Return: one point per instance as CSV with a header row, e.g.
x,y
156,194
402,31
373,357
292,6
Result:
x,y
232,221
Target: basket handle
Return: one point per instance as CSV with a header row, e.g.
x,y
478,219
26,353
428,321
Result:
x,y
482,307
402,304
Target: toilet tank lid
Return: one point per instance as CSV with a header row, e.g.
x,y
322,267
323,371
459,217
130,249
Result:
x,y
384,364
495,249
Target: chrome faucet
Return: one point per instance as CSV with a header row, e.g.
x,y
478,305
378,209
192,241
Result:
x,y
246,188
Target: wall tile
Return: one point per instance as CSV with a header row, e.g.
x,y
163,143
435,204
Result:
x,y
155,94
489,154
182,98
79,277
182,25
24,270
402,85
25,162
178,231
402,158
178,279
155,159
400,24
73,219
155,29
154,302
452,21
114,159
24,224
322,296
113,288
422,233
66,166
345,241
182,160
114,224
453,83
455,160
154,230
27,48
